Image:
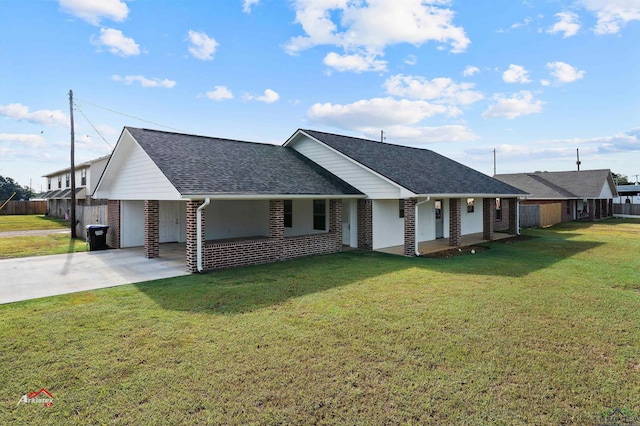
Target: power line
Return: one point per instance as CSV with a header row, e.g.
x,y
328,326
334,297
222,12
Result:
x,y
131,116
91,124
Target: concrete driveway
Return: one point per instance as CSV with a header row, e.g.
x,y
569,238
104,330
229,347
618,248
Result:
x,y
33,277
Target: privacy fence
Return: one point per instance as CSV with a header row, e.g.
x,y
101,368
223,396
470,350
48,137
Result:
x,y
23,207
534,216
89,215
626,208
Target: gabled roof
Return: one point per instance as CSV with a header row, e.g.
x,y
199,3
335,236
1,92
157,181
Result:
x,y
562,185
200,165
421,171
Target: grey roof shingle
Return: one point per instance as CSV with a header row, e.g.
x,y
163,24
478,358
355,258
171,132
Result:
x,y
561,185
210,166
421,171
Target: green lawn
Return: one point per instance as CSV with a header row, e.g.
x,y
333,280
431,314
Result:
x,y
36,245
542,331
30,222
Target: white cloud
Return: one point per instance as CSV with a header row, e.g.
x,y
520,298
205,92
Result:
x,y
563,72
612,14
440,90
248,4
356,63
116,42
470,70
144,82
202,46
568,24
516,74
411,60
517,25
25,139
93,11
356,26
545,82
269,97
219,93
44,116
520,103
422,134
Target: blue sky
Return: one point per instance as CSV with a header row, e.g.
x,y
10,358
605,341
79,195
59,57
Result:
x,y
534,80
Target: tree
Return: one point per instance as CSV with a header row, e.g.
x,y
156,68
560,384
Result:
x,y
8,186
620,179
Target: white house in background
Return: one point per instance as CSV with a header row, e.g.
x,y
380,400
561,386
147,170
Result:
x,y
237,203
58,194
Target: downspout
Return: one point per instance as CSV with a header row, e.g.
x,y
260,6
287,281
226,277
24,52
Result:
x,y
199,233
415,225
518,216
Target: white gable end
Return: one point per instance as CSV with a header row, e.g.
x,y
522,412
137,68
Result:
x,y
358,176
132,175
606,191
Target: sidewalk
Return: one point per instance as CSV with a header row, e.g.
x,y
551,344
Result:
x,y
34,277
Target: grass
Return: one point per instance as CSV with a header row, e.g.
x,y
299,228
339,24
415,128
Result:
x,y
544,331
30,222
36,245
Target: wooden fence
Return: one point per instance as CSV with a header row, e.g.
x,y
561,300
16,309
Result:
x,y
625,208
24,207
529,216
89,215
550,214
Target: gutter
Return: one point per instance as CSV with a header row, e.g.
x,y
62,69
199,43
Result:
x,y
415,225
207,201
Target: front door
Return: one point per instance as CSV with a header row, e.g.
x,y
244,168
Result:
x,y
439,219
346,222
169,221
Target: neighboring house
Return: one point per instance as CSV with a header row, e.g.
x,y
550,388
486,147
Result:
x,y
563,196
628,200
236,203
58,194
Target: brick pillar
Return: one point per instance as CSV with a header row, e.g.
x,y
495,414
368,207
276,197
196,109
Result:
x,y
276,225
151,228
410,226
365,224
455,219
513,216
113,220
488,218
610,210
192,235
592,210
335,222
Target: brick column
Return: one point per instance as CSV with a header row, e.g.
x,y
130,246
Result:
x,y
592,210
488,218
365,224
335,222
513,216
455,219
113,220
151,228
192,235
276,226
410,226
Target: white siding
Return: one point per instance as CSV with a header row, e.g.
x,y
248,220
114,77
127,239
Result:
x,y
426,221
93,174
236,219
606,191
388,227
131,223
471,223
134,176
364,180
302,219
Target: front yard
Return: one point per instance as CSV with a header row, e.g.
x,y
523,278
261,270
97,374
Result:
x,y
24,244
542,331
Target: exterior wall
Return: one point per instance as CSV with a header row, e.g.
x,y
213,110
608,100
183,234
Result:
x,y
237,219
365,224
513,216
303,219
113,220
471,223
374,186
388,226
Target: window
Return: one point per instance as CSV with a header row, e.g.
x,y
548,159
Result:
x,y
320,215
401,208
288,213
48,184
59,181
498,210
83,177
67,180
470,205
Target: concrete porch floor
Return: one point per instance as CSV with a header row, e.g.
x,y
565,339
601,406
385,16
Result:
x,y
441,244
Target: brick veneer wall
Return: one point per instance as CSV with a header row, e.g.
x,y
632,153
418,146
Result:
x,y
455,221
192,235
151,228
113,220
488,217
365,224
513,215
410,226
225,254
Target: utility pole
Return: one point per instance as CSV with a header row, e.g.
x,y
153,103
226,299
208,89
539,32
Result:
x,y
578,162
381,135
73,170
494,161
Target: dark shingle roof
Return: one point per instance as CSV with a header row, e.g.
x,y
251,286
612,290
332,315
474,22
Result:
x,y
209,166
553,185
421,171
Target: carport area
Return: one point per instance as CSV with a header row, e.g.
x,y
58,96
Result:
x,y
34,277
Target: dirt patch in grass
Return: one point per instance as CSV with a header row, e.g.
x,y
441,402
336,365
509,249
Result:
x,y
459,251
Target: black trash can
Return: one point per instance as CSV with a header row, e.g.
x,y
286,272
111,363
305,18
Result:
x,y
97,237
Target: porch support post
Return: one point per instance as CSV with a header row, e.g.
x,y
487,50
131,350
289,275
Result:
x,y
513,216
410,226
192,235
592,212
335,222
151,228
365,224
488,218
455,219
276,226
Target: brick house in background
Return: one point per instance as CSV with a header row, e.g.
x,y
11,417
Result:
x,y
237,203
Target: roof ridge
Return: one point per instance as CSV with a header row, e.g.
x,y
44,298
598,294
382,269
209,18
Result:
x,y
551,185
368,140
200,136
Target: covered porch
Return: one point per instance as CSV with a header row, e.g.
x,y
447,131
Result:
x,y
442,244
